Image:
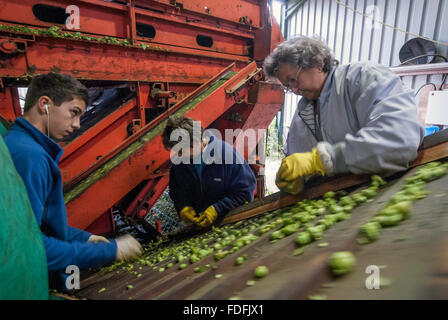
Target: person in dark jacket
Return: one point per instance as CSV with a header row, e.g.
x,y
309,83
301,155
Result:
x,y
212,178
53,106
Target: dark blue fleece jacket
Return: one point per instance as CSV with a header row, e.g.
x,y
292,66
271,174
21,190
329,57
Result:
x,y
225,186
36,159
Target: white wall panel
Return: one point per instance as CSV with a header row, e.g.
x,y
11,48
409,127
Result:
x,y
354,37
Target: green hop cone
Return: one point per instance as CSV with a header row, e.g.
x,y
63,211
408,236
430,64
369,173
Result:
x,y
261,271
342,262
371,230
303,238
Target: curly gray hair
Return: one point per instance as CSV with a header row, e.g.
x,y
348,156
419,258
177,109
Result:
x,y
302,51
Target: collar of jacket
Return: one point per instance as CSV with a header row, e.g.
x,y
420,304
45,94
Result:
x,y
211,141
52,148
326,90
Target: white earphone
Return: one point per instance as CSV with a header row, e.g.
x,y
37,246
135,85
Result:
x,y
48,120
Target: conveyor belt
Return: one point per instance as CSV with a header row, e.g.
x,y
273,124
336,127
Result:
x,y
433,147
412,253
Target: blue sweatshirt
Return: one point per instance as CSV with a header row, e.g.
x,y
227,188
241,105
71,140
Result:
x,y
225,186
36,159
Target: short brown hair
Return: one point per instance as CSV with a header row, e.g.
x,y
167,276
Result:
x,y
179,122
58,87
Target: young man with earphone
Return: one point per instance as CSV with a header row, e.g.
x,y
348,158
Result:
x,y
53,106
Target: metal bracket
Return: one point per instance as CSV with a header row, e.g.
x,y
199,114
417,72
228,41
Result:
x,y
134,126
237,98
160,93
10,46
251,78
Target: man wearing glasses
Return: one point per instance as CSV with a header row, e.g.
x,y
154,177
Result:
x,y
356,118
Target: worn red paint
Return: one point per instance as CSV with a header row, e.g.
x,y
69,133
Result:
x,y
177,60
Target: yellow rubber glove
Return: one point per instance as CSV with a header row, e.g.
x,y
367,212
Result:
x,y
290,176
292,187
187,215
207,218
299,165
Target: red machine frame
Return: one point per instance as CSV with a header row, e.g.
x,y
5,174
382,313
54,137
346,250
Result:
x,y
170,70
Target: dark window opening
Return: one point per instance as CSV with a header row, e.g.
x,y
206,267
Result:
x,y
250,47
145,30
50,14
20,46
102,102
204,41
154,112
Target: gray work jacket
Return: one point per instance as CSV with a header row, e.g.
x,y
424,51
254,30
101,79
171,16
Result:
x,y
367,122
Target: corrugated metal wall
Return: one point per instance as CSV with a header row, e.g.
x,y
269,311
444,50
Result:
x,y
355,37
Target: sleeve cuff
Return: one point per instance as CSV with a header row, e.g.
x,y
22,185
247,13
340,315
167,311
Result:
x,y
332,157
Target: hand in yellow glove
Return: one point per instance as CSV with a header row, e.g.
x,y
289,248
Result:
x,y
295,167
207,218
187,215
299,165
292,187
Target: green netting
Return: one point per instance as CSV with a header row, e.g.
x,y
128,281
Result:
x,y
23,263
3,130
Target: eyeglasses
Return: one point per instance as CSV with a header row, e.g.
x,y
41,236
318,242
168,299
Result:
x,y
292,84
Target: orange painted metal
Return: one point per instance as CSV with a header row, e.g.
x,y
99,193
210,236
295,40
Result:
x,y
9,104
97,142
234,11
109,18
173,30
123,144
264,101
148,196
94,61
126,175
194,44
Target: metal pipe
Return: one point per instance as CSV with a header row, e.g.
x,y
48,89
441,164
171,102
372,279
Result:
x,y
421,69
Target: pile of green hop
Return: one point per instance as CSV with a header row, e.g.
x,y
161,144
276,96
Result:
x,y
400,206
308,219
